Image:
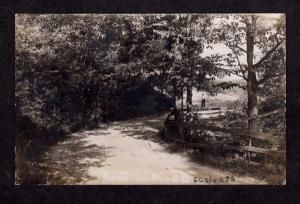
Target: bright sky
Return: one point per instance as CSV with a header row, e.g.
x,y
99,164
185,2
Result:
x,y
221,49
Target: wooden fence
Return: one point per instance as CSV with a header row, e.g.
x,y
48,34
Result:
x,y
274,139
233,147
196,109
243,133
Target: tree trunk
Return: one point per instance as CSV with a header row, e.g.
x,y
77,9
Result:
x,y
182,91
252,103
189,96
252,80
174,93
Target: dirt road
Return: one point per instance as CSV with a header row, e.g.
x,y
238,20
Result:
x,y
129,152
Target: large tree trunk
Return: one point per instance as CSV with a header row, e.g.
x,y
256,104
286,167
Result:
x,y
189,96
252,103
252,80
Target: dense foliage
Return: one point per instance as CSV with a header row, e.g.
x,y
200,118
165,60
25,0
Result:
x,y
74,71
78,70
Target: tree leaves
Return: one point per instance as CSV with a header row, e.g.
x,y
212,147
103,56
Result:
x,y
108,51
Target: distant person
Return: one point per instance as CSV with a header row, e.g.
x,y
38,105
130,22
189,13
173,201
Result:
x,y
203,103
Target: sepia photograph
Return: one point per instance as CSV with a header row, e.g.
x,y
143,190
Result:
x,y
150,99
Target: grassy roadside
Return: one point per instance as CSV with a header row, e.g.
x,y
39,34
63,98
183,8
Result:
x,y
273,174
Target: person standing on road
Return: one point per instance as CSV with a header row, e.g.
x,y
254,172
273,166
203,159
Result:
x,y
203,101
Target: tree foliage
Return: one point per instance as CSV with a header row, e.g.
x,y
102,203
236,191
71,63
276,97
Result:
x,y
82,68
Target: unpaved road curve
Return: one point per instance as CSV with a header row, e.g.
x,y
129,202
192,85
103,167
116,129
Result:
x,y
128,153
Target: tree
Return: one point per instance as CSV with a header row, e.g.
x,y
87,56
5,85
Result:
x,y
58,61
74,67
178,64
70,67
249,36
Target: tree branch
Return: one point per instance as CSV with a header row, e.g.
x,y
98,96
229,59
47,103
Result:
x,y
232,72
238,60
239,63
242,49
267,55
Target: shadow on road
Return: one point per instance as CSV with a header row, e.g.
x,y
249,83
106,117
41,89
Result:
x,y
68,162
144,128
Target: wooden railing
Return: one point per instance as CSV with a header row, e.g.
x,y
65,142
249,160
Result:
x,y
233,147
275,139
244,133
196,109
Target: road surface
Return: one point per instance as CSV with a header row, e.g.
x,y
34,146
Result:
x,y
129,152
